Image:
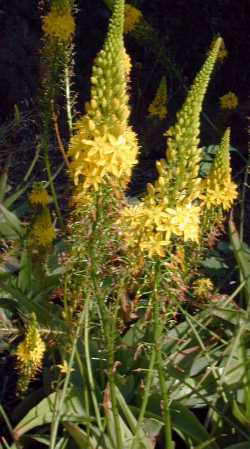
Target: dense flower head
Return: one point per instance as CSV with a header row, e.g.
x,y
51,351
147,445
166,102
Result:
x,y
59,23
150,227
38,196
29,355
229,101
103,157
42,231
158,107
218,188
202,287
132,18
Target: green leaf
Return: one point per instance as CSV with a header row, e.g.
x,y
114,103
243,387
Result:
x,y
82,440
241,257
3,184
15,195
185,422
24,275
240,415
42,413
12,220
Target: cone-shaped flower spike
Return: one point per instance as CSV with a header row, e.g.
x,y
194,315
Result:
x,y
178,174
104,148
219,190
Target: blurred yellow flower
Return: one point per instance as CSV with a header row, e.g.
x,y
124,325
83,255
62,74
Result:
x,y
158,107
59,24
38,196
132,18
64,367
29,355
202,287
42,232
229,101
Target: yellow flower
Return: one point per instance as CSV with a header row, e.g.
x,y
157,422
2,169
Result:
x,y
29,355
64,367
59,24
185,221
158,107
42,232
229,101
38,196
104,158
151,227
218,195
132,18
202,287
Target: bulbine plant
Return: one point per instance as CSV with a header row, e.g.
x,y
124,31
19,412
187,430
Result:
x,y
126,271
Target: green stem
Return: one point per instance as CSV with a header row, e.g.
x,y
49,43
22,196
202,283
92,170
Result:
x,y
108,334
61,397
159,362
52,186
146,395
68,96
89,367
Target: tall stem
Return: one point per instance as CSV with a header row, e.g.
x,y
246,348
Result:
x,y
57,413
107,329
159,362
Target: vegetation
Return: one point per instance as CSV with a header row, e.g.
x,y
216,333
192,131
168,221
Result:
x,y
116,331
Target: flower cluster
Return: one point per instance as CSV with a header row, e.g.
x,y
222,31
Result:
x,y
59,24
104,157
202,287
42,232
151,227
218,188
132,18
39,196
158,107
29,355
229,101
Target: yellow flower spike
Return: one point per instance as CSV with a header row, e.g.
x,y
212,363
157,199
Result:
x,y
104,148
158,107
29,355
38,196
229,101
218,188
183,152
59,24
132,18
202,287
42,232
